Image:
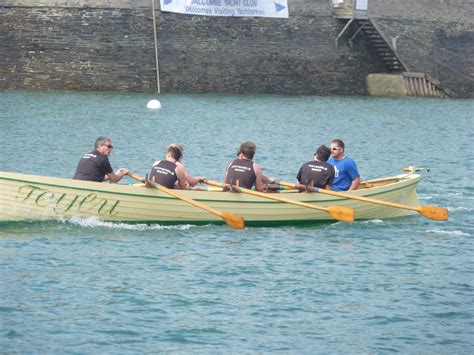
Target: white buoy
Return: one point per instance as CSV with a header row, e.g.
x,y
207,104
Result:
x,y
153,104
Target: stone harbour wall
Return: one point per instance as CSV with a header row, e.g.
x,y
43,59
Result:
x,y
76,49
432,36
109,45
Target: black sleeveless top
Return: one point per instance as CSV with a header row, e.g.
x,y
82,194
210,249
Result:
x,y
240,172
163,172
316,172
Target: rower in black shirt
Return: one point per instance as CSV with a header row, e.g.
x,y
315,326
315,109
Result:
x,y
167,172
244,172
95,166
317,173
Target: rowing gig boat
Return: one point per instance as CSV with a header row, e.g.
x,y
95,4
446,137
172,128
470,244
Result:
x,y
25,197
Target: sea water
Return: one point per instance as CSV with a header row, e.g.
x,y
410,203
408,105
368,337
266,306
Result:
x,y
379,286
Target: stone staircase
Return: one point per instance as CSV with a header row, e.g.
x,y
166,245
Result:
x,y
420,84
416,84
381,44
399,80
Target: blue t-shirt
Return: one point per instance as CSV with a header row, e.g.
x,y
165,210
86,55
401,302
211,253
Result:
x,y
346,171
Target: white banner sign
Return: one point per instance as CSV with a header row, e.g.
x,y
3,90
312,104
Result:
x,y
242,8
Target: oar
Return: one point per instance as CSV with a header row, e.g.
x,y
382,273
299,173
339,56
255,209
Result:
x,y
431,212
232,220
340,213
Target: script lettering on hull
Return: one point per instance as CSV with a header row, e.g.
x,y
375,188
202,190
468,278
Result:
x,y
61,202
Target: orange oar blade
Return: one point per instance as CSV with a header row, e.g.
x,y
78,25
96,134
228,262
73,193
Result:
x,y
435,213
343,214
234,221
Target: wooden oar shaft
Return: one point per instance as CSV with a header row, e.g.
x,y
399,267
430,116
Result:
x,y
232,220
281,199
340,213
432,212
268,196
354,197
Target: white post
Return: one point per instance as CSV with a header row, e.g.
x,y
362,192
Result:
x,y
156,47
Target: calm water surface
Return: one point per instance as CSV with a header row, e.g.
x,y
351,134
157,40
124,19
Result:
x,y
84,286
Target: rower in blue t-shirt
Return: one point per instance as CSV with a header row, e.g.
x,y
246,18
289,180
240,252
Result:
x,y
347,175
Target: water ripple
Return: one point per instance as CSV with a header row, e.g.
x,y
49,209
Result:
x,y
377,286
448,232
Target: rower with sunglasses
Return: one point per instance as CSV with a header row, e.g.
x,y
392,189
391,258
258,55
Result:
x,y
95,166
347,175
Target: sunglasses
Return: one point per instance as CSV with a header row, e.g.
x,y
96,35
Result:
x,y
336,148
110,146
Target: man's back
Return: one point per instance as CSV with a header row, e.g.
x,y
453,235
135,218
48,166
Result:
x,y
316,173
241,172
163,172
93,166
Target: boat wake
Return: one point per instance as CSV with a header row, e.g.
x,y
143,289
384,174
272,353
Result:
x,y
372,221
93,222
